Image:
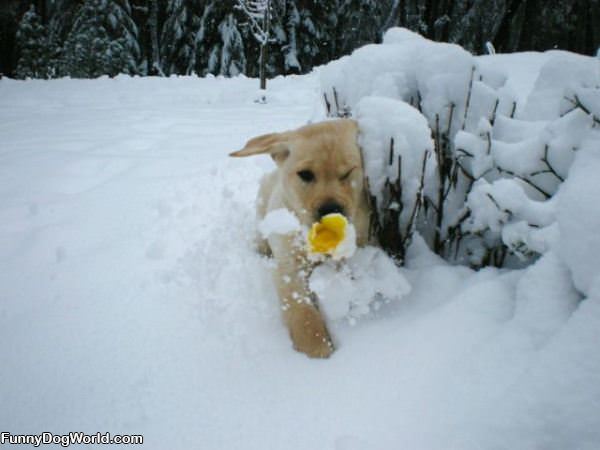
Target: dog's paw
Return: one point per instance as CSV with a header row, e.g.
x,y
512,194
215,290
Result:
x,y
309,333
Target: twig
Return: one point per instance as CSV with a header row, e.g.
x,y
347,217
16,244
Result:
x,y
337,104
450,117
427,202
465,171
513,110
497,205
525,180
468,103
373,207
417,206
576,102
453,231
549,169
389,227
441,175
494,111
465,154
399,184
327,104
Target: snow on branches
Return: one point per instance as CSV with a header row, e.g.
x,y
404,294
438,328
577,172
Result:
x,y
258,13
498,159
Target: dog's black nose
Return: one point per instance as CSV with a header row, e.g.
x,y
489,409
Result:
x,y
330,208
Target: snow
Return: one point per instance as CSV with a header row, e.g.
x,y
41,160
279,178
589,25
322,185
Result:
x,y
545,298
524,69
579,218
380,120
278,221
368,280
514,204
132,300
544,102
397,35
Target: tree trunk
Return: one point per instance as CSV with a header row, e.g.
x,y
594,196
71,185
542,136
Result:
x,y
264,47
262,63
155,66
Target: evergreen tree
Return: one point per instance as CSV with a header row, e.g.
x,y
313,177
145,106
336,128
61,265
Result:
x,y
221,47
153,56
179,37
315,31
124,29
61,14
357,23
93,37
288,39
233,57
32,44
103,41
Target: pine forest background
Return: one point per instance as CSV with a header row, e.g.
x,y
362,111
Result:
x,y
90,38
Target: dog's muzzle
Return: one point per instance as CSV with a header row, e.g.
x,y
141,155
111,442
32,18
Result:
x,y
329,207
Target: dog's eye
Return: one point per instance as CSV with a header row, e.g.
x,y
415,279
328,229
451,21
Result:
x,y
306,175
347,174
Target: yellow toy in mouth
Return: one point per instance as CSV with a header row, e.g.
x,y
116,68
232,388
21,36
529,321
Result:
x,y
325,235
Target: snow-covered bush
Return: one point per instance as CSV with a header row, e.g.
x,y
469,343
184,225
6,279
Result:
x,y
520,163
398,159
498,159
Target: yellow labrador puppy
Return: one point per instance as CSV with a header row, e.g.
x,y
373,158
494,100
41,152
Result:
x,y
319,171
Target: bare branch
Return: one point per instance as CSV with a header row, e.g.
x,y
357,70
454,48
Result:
x,y
577,103
525,180
418,202
549,166
469,92
255,11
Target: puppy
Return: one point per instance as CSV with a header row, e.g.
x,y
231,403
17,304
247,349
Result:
x,y
319,172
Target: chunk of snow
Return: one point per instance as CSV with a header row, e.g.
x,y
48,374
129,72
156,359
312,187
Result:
x,y
347,247
279,221
349,290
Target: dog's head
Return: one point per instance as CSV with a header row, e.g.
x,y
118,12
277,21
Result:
x,y
320,167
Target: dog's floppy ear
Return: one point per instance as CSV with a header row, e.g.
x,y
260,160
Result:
x,y
275,144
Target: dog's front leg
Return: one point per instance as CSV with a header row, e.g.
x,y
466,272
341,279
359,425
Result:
x,y
304,320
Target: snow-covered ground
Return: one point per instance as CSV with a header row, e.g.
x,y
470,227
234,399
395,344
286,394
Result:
x,y
131,300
